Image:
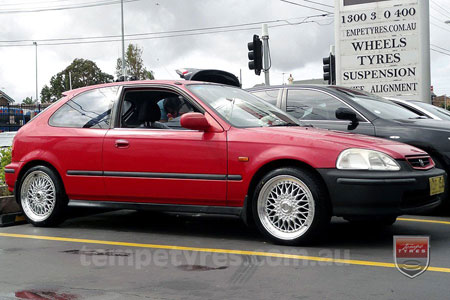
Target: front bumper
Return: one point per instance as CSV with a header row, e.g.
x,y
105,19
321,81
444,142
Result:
x,y
11,173
359,193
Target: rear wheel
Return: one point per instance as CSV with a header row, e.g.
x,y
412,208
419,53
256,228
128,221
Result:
x,y
290,206
42,196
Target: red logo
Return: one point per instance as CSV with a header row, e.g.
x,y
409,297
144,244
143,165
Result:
x,y
412,254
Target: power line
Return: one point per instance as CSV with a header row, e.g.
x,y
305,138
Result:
x,y
441,27
448,54
440,48
34,2
160,37
310,7
165,32
318,3
91,4
140,34
440,12
440,6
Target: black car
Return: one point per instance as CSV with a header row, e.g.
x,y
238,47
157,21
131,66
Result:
x,y
344,109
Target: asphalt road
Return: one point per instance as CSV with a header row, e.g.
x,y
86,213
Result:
x,y
135,255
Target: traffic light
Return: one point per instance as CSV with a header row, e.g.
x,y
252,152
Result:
x,y
329,69
255,55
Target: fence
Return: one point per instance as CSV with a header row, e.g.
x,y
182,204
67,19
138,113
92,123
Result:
x,y
12,117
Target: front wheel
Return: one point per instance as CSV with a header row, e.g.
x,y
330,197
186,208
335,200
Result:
x,y
42,196
290,206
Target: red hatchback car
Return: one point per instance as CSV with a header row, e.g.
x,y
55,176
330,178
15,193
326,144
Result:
x,y
210,148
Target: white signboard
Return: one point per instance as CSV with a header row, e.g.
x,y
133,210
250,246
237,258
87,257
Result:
x,y
382,47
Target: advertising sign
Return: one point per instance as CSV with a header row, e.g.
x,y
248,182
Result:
x,y
382,47
412,254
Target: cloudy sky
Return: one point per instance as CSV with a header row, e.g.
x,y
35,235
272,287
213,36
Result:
x,y
296,47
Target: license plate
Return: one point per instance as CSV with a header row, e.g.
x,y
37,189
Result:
x,y
437,185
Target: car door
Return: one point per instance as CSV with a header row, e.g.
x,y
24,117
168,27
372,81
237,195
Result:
x,y
76,140
318,108
170,166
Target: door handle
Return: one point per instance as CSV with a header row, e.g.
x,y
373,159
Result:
x,y
122,144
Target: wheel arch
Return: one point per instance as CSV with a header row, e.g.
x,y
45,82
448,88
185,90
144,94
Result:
x,y
30,165
276,164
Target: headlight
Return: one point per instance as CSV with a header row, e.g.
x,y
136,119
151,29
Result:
x,y
362,159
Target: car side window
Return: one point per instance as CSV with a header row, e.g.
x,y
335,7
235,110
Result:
x,y
153,109
269,96
90,109
416,111
312,105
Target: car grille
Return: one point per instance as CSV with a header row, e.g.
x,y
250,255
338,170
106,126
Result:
x,y
423,162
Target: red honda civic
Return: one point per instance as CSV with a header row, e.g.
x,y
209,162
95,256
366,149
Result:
x,y
189,146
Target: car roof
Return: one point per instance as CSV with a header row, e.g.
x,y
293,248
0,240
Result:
x,y
137,83
267,87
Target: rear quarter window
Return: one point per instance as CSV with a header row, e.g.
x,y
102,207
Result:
x,y
91,109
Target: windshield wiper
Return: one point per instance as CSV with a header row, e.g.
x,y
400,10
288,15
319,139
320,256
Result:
x,y
284,124
304,124
418,117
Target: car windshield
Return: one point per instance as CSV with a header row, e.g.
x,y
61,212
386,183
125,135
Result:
x,y
438,111
380,107
240,108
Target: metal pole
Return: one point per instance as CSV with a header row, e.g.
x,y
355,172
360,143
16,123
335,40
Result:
x,y
123,44
37,99
424,46
240,76
70,80
266,52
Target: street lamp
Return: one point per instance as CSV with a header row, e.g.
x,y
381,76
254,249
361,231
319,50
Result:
x,y
123,43
37,100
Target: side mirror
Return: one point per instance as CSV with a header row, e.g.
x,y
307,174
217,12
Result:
x,y
194,121
344,113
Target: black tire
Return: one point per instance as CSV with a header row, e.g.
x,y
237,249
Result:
x,y
372,220
301,178
56,214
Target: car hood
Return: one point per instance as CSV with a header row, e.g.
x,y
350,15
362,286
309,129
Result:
x,y
426,124
336,139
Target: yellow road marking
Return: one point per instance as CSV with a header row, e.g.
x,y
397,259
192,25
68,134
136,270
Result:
x,y
423,221
214,250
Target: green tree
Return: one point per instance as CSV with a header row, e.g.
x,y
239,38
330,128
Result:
x,y
83,73
134,64
28,100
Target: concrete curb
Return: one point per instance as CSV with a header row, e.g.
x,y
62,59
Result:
x,y
12,219
10,213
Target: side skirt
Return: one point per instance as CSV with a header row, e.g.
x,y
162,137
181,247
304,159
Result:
x,y
221,210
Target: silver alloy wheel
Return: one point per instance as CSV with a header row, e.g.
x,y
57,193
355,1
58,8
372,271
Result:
x,y
38,196
285,207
